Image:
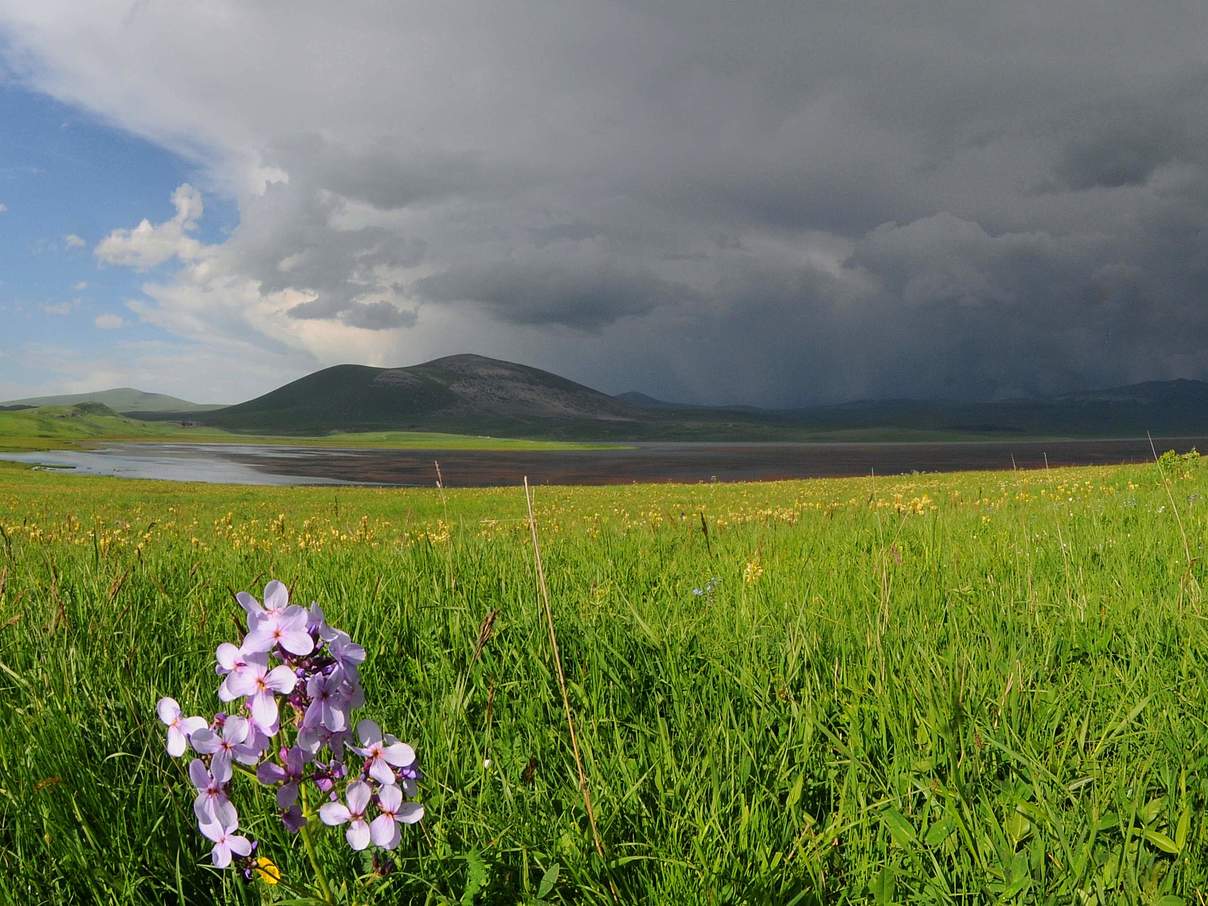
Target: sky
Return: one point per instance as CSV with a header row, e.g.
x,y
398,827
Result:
x,y
770,203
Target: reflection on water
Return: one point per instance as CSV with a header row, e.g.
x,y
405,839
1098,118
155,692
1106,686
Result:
x,y
646,462
212,463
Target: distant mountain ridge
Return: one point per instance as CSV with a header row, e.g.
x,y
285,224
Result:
x,y
119,399
473,394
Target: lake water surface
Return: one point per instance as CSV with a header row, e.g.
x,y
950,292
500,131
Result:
x,y
686,462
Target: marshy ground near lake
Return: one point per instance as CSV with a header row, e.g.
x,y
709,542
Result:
x,y
491,462
976,687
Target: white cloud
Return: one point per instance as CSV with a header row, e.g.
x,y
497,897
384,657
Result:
x,y
3,207
109,321
149,244
82,285
72,241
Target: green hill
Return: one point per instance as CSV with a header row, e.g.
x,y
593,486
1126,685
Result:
x,y
119,399
56,426
463,394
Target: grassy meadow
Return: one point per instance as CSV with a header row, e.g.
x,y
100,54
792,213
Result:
x,y
47,427
984,687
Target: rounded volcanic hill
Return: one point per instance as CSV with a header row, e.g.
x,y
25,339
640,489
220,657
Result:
x,y
455,393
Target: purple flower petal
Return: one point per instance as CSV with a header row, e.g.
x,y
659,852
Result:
x,y
264,710
357,834
276,595
261,638
281,679
220,765
380,771
221,855
236,729
384,832
220,770
176,742
358,796
399,754
205,741
198,774
212,830
190,725
390,798
167,709
369,732
227,656
297,641
293,820
410,812
239,845
333,813
287,795
250,605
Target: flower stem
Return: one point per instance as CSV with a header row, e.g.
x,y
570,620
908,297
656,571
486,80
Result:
x,y
309,843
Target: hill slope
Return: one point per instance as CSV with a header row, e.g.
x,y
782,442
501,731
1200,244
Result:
x,y
458,393
119,399
55,426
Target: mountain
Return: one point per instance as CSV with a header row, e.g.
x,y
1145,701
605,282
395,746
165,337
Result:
x,y
460,393
120,399
471,394
1150,393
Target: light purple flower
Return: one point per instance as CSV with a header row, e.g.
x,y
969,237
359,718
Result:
x,y
250,750
316,623
382,755
232,662
286,628
347,653
276,599
226,841
179,727
328,703
288,775
262,686
212,803
336,813
223,745
383,830
312,739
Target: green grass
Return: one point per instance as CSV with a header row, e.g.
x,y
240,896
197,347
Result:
x,y
50,427
944,689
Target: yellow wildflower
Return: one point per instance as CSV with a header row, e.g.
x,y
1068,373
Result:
x,y
267,870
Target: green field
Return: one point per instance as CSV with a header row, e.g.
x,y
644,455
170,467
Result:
x,y
48,427
967,688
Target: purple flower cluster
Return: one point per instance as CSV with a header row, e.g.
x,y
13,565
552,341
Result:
x,y
291,686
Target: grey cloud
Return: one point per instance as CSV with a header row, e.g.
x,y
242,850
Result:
x,y
386,173
765,203
585,298
378,315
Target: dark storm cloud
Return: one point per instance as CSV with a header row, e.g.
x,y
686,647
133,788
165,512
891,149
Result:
x,y
366,315
586,297
376,316
776,203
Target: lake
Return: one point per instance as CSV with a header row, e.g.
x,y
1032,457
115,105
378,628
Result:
x,y
646,462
